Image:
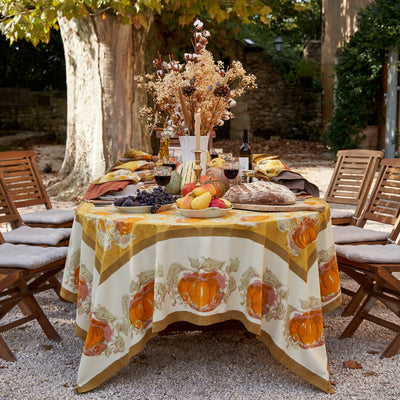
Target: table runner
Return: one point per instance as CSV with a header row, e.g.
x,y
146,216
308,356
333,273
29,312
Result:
x,y
134,274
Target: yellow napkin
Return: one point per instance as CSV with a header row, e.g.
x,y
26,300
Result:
x,y
118,175
269,167
137,155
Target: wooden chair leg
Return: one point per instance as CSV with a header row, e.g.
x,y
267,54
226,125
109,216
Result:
x,y
5,352
393,347
357,298
34,308
359,317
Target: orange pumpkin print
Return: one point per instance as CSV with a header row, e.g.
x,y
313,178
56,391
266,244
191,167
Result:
x,y
83,291
124,227
76,275
329,279
255,218
306,329
305,233
99,333
141,307
260,298
202,291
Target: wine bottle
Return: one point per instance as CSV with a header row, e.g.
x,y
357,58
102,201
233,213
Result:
x,y
245,153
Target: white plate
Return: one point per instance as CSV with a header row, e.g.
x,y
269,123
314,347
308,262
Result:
x,y
111,197
142,209
210,212
129,190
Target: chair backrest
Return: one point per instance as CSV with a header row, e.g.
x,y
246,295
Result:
x,y
352,177
8,212
22,179
384,203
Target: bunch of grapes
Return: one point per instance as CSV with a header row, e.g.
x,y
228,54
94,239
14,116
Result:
x,y
156,198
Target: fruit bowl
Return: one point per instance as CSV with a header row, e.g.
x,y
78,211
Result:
x,y
210,212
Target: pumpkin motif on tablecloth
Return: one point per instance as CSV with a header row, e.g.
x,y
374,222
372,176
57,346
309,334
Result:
x,y
202,291
141,307
305,233
260,298
124,227
83,291
306,329
99,334
329,280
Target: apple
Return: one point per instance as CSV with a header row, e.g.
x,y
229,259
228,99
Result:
x,y
217,202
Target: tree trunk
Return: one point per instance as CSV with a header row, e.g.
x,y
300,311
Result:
x,y
101,56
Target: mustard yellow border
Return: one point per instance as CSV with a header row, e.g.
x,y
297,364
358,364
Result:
x,y
212,231
184,316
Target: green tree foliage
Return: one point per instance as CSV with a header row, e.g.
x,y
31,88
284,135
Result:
x,y
34,20
297,21
358,73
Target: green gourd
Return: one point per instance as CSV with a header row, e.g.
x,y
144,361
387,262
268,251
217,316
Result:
x,y
174,185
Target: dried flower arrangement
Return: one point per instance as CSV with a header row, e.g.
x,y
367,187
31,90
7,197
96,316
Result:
x,y
198,86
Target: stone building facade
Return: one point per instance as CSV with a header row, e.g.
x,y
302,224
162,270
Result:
x,y
277,108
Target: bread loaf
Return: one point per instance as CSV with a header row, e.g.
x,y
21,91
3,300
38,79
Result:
x,y
260,192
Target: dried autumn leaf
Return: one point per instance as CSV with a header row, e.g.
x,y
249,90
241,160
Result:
x,y
352,364
370,373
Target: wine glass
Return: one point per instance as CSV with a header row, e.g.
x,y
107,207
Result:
x,y
162,175
231,170
171,162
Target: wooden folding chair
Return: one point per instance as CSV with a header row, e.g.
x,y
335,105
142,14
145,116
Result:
x,y
373,267
350,183
23,234
24,272
383,208
25,187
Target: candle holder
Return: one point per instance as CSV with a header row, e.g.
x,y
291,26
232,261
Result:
x,y
197,168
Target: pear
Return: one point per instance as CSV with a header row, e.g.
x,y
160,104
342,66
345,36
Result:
x,y
199,190
186,203
179,202
228,204
201,202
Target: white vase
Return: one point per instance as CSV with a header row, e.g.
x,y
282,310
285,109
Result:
x,y
188,144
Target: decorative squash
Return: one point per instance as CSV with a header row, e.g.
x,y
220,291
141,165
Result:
x,y
188,175
260,298
306,329
218,173
329,279
202,291
141,307
218,185
305,233
174,185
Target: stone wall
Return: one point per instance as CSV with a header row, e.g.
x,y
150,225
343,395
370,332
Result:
x,y
23,110
276,108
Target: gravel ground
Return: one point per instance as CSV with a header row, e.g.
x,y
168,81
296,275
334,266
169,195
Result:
x,y
197,365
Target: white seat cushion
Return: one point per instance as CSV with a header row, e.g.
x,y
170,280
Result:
x,y
37,236
353,234
29,257
335,213
370,253
51,216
